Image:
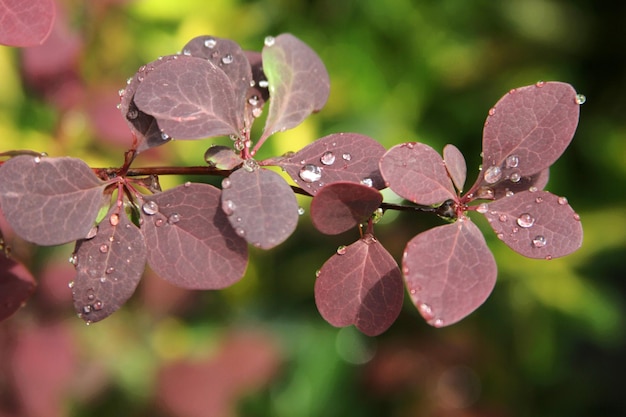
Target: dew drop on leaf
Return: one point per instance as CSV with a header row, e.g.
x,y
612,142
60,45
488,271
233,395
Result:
x,y
249,165
173,218
210,43
73,259
346,157
300,211
114,219
310,173
367,181
482,208
525,220
109,270
512,161
132,114
328,158
540,83
264,83
533,189
104,248
493,174
228,207
98,305
150,208
562,200
165,136
226,183
240,232
269,41
515,177
70,285
539,200
485,193
341,250
539,241
159,222
426,311
580,99
227,59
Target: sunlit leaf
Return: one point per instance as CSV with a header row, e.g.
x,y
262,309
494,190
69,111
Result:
x,y
341,206
298,82
536,224
50,201
108,267
449,272
416,171
337,157
192,244
26,23
260,206
362,285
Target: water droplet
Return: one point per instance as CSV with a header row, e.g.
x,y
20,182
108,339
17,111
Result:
x,y
226,183
254,100
98,305
533,189
132,114
150,208
525,220
240,232
228,207
515,177
512,161
109,270
503,218
165,136
438,323
485,193
300,211
173,218
317,273
103,279
121,92
580,99
548,257
70,285
87,309
367,181
576,217
482,208
346,157
210,43
341,250
159,222
562,200
539,200
257,112
186,52
500,236
540,83
37,159
188,184
114,219
73,259
492,111
328,158
493,174
413,291
104,248
509,193
91,296
227,59
269,41
250,165
426,311
264,83
310,173
539,241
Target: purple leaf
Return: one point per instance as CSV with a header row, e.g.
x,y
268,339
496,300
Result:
x,y
449,272
528,129
227,56
16,286
298,82
362,285
190,98
416,171
50,201
337,157
507,188
192,245
260,205
455,165
108,267
341,206
26,23
536,224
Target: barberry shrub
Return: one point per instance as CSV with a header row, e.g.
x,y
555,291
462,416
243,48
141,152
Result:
x,y
196,235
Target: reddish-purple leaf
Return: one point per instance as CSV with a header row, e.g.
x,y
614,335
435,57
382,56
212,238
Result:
x,y
16,286
50,201
455,164
528,129
536,224
192,244
190,98
227,56
341,206
362,285
26,23
508,188
108,267
337,157
449,272
298,82
260,206
416,171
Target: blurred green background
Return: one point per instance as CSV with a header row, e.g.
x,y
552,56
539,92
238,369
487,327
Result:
x,y
550,340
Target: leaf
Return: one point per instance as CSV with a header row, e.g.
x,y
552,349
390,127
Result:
x,y
528,129
108,267
26,23
260,206
455,165
258,93
340,206
536,182
416,171
50,201
362,285
337,157
192,245
16,286
190,98
449,272
536,224
298,82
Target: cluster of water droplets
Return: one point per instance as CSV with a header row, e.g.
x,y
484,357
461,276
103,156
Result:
x,y
151,208
311,172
